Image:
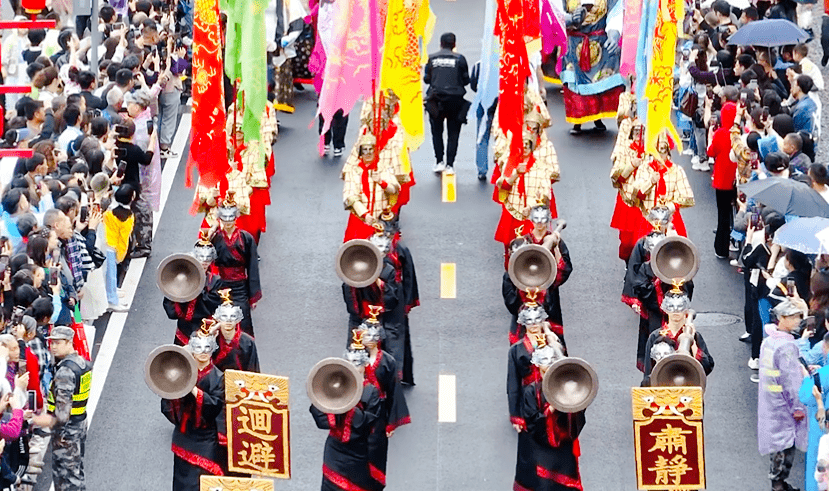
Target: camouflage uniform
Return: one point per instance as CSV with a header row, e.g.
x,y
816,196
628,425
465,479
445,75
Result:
x,y
67,403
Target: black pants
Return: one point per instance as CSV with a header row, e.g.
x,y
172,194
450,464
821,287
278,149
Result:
x,y
756,320
339,123
82,23
453,131
725,219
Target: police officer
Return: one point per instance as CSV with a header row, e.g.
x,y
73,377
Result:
x,y
447,75
66,411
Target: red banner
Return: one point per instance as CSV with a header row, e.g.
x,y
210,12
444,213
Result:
x,y
258,426
515,68
208,143
668,439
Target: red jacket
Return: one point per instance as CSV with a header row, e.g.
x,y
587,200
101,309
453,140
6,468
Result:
x,y
725,169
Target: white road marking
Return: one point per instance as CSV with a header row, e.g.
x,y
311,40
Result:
x,y
447,399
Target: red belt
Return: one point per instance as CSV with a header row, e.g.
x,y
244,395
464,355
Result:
x,y
584,55
233,273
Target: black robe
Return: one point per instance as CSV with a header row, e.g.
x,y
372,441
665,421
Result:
x,y
393,413
549,299
520,373
644,292
703,355
550,445
345,459
402,260
239,354
189,315
238,265
195,445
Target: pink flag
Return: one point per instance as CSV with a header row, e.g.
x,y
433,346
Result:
x,y
351,52
553,32
630,36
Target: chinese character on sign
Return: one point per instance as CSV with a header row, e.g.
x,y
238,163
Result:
x,y
256,422
257,455
670,439
674,468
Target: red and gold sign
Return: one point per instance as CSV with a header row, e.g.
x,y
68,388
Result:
x,y
258,426
215,483
668,440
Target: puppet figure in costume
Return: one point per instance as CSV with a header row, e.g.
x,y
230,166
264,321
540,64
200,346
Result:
x,y
236,349
237,260
551,445
345,461
628,154
676,305
549,299
196,445
189,315
370,187
382,373
290,23
591,78
659,181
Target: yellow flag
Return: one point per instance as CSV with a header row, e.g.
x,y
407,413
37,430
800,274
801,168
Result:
x,y
407,22
659,89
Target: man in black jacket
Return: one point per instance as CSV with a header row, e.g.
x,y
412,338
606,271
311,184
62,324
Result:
x,y
447,74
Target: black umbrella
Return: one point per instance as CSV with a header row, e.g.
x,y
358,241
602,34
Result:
x,y
769,32
787,196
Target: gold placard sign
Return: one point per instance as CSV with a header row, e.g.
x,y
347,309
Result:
x,y
667,434
215,483
258,426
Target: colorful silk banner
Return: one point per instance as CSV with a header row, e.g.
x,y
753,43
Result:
x,y
515,68
208,144
345,32
407,22
246,60
488,76
630,36
643,53
659,91
553,32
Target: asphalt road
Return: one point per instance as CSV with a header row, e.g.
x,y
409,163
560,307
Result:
x,y
302,318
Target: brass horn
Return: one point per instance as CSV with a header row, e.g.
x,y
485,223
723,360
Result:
x,y
359,263
532,266
675,259
679,369
170,371
570,384
180,277
334,385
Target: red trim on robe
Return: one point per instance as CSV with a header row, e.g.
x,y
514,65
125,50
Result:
x,y
371,374
397,424
339,480
518,487
224,347
635,304
377,474
517,421
559,478
182,337
197,460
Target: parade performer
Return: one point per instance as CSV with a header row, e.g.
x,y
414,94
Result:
x,y
189,315
345,461
196,448
592,83
661,182
370,187
532,179
520,372
550,298
677,307
643,291
237,261
553,441
66,410
381,372
236,349
627,156
380,297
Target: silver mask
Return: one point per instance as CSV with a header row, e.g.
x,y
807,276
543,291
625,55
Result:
x,y
382,241
675,303
228,313
516,244
372,333
199,344
661,350
652,239
661,215
531,316
545,357
357,357
228,213
204,253
540,215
